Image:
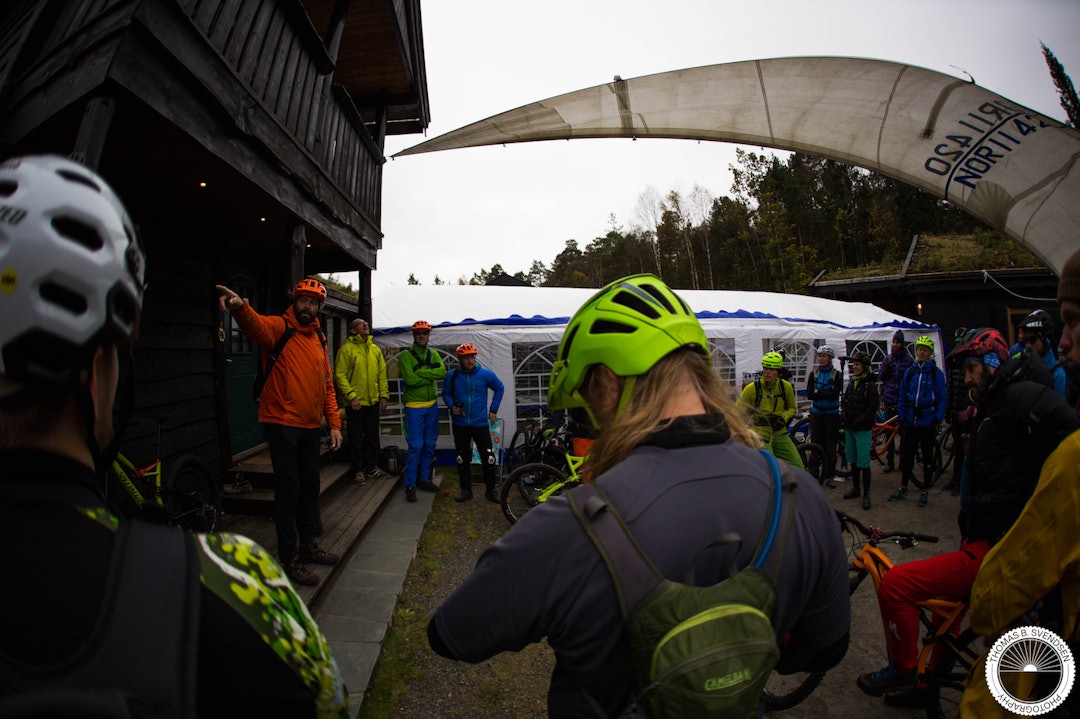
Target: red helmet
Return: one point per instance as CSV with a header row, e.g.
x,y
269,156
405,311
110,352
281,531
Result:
x,y
421,325
464,350
985,343
310,288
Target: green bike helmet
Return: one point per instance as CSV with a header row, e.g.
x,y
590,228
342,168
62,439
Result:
x,y
772,360
924,341
629,326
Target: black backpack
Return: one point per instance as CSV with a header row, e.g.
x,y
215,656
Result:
x,y
272,358
694,651
145,662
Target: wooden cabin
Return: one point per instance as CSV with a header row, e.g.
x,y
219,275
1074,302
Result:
x,y
246,139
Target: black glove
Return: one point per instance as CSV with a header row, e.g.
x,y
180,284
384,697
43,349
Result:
x,y
777,422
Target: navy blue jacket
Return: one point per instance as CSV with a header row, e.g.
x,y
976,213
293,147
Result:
x,y
922,395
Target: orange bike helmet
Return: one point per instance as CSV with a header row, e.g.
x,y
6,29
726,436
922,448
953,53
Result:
x,y
310,288
421,325
464,350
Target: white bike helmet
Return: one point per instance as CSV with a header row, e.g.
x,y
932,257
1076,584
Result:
x,y
72,272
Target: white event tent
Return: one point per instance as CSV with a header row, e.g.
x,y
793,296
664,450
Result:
x,y
516,331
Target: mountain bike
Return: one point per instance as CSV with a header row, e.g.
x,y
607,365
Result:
x,y
187,498
947,653
537,441
531,484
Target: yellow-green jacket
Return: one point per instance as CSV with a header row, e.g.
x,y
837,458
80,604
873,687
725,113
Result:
x,y
764,402
360,371
1039,552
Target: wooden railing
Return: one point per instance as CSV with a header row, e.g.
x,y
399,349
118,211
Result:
x,y
271,47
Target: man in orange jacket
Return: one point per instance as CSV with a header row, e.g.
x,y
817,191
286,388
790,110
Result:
x,y
298,392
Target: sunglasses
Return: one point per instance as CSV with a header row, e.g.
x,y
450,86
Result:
x,y
425,333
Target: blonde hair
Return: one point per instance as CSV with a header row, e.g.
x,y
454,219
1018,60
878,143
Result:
x,y
684,370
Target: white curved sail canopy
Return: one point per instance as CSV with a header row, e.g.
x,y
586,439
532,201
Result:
x,y
1006,164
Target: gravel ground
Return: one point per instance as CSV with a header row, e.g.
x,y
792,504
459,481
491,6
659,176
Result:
x,y
515,685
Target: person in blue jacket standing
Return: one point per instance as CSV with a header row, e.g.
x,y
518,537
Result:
x,y
465,391
921,408
1039,337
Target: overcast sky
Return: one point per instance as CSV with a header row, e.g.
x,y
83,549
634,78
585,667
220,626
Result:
x,y
456,212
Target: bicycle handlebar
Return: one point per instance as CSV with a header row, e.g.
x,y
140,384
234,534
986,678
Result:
x,y
877,534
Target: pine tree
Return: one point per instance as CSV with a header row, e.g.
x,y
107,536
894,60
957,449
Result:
x,y
1069,100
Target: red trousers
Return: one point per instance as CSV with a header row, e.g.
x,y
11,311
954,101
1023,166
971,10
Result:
x,y
948,576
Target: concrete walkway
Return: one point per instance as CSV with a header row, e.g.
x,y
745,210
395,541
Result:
x,y
356,611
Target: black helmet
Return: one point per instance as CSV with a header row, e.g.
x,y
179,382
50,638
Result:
x,y
1038,323
862,358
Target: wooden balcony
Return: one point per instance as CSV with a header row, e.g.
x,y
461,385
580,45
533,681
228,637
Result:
x,y
250,80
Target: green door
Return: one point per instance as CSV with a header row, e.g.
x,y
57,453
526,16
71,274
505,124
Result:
x,y
241,364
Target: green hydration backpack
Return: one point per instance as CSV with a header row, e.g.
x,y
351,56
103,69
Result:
x,y
694,651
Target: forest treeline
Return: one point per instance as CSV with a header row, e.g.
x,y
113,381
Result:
x,y
786,221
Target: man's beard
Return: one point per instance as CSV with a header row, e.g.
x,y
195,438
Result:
x,y
304,317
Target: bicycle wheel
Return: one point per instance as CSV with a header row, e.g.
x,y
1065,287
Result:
x,y
518,450
813,459
946,450
191,496
783,691
520,490
935,470
945,682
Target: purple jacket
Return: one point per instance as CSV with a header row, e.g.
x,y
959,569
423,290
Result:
x,y
891,374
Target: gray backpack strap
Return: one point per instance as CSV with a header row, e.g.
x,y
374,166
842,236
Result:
x,y
633,575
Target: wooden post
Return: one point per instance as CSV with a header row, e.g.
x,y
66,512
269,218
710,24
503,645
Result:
x,y
297,246
363,293
90,142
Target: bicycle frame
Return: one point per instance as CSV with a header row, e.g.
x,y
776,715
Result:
x,y
124,471
942,617
574,463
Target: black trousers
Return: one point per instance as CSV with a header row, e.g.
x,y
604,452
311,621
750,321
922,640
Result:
x,y
922,439
294,452
463,439
363,428
825,432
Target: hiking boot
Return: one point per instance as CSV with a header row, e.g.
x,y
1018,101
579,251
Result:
x,y
866,501
312,553
427,486
924,498
909,696
889,468
410,494
853,492
830,482
950,487
491,496
299,574
900,493
360,479
463,496
377,473
885,679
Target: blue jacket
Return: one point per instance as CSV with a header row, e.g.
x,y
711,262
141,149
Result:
x,y
891,374
922,395
471,390
1057,372
823,388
